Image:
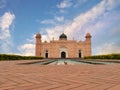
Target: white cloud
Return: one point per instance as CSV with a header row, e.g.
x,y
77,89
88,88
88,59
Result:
x,y
79,3
27,49
82,23
54,21
32,39
49,21
64,4
5,21
62,11
5,37
59,19
108,48
112,3
90,21
2,3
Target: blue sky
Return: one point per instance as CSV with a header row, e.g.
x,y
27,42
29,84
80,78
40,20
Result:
x,y
20,20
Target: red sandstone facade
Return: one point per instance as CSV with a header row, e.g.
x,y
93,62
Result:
x,y
63,48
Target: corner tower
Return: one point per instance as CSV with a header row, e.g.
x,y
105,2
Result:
x,y
88,37
38,45
88,44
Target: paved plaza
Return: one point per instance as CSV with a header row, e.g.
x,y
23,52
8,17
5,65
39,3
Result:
x,y
14,76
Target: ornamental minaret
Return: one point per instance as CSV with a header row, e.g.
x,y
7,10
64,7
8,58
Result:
x,y
38,45
88,44
88,38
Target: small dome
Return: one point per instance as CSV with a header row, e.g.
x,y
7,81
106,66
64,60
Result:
x,y
63,36
38,35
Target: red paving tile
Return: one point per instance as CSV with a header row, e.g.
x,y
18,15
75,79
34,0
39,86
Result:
x,y
116,87
58,77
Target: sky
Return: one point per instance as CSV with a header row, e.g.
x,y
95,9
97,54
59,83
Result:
x,y
20,20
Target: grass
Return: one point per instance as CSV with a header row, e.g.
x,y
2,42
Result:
x,y
17,57
109,56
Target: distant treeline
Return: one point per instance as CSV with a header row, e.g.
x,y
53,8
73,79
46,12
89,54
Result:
x,y
17,57
109,56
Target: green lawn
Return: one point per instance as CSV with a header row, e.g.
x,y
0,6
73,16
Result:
x,y
109,56
17,57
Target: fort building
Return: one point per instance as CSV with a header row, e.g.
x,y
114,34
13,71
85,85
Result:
x,y
63,48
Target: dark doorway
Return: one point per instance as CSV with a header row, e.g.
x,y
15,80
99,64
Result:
x,y
63,55
46,55
79,54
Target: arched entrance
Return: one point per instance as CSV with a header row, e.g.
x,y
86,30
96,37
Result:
x,y
63,52
63,55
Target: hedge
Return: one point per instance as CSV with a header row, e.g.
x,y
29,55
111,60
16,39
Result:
x,y
109,56
17,57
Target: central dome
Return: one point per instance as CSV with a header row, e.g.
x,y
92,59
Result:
x,y
63,37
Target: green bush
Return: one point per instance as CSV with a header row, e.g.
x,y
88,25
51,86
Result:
x,y
109,56
17,57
